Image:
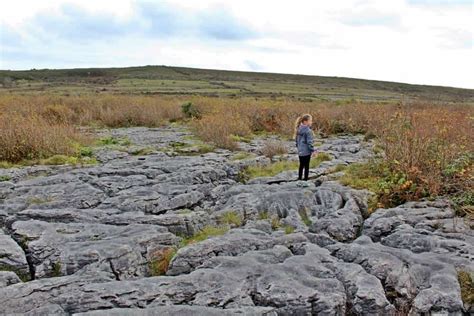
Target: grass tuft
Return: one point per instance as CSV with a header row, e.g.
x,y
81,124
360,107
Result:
x,y
160,260
231,218
467,287
289,229
205,233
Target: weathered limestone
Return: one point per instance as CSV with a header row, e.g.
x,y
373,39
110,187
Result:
x,y
89,236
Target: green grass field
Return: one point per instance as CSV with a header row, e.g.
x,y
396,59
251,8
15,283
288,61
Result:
x,y
177,80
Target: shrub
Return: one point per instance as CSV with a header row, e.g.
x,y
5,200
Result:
x,y
190,111
390,188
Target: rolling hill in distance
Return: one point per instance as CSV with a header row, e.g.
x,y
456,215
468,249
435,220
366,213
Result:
x,y
194,81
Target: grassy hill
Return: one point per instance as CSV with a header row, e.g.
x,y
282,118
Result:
x,y
179,80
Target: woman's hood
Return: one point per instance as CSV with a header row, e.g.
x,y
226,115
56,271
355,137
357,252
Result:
x,y
303,129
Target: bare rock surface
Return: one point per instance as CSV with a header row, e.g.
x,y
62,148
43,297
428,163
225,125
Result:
x,y
93,240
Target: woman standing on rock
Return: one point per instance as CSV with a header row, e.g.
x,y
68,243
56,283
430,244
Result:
x,y
304,142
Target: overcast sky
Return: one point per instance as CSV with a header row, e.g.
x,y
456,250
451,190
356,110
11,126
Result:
x,y
414,41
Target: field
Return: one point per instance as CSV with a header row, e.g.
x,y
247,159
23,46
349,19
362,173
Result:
x,y
423,132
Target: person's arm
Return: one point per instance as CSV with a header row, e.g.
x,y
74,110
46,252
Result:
x,y
310,141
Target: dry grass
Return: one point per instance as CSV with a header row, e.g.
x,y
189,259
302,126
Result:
x,y
273,148
160,259
33,137
39,127
107,110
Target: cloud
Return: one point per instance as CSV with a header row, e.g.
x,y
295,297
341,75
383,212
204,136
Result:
x,y
76,23
222,25
397,40
370,17
440,2
253,65
149,20
455,38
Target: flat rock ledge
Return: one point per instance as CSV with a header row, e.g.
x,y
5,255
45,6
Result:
x,y
82,241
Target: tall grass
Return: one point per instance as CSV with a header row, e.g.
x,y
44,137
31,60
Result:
x,y
33,137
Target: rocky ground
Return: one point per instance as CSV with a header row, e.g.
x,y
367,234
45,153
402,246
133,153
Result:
x,y
86,241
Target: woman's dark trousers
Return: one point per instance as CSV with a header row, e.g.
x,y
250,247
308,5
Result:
x,y
304,165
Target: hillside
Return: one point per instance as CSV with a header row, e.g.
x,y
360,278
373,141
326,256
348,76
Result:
x,y
178,80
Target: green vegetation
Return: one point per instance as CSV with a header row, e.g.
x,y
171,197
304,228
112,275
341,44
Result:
x,y
241,139
5,178
143,151
242,155
189,149
467,287
67,160
205,233
56,272
339,168
39,200
391,189
25,277
264,215
273,169
464,204
275,222
190,110
304,217
231,218
289,229
110,140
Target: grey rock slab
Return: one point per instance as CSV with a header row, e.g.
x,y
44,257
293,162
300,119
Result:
x,y
428,215
427,226
425,282
233,243
183,310
8,278
298,284
331,208
12,256
59,249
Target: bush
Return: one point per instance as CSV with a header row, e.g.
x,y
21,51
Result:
x,y
190,111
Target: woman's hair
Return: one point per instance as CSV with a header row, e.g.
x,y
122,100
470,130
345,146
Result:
x,y
299,120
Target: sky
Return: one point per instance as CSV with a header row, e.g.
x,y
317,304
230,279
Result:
x,y
413,41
